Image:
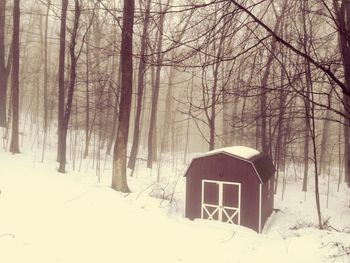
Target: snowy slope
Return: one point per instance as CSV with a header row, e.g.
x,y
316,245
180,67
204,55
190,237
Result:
x,y
49,217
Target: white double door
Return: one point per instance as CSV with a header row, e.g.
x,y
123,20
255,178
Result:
x,y
221,201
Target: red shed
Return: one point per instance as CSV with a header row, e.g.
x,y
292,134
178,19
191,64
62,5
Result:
x,y
233,185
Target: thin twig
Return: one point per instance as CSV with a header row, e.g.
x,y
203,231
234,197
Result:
x,y
84,193
7,235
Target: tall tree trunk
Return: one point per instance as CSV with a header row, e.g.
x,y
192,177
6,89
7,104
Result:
x,y
116,91
3,83
188,120
212,91
119,177
283,121
343,23
347,145
112,104
280,129
324,143
168,115
72,78
116,105
227,115
152,134
4,68
308,81
265,145
46,78
310,108
87,100
314,148
14,146
212,118
61,86
140,85
306,135
214,96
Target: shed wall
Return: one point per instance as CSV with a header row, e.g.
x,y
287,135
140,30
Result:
x,y
267,200
221,167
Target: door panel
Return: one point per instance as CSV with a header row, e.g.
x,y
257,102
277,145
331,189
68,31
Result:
x,y
211,212
230,215
221,201
230,195
211,193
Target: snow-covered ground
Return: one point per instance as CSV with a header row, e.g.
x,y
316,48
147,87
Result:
x,y
50,217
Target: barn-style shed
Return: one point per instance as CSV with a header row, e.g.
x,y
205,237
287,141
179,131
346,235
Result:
x,y
233,185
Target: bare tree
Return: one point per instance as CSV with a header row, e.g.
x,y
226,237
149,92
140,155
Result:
x,y
152,133
14,146
4,67
342,19
308,87
61,84
72,78
46,73
265,145
119,179
140,85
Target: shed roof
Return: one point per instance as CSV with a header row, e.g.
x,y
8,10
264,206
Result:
x,y
261,162
239,151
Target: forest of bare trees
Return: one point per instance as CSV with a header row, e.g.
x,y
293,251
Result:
x,y
144,79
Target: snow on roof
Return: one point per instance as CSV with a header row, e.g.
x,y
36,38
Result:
x,y
239,151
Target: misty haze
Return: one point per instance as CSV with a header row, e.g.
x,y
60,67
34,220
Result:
x,y
174,131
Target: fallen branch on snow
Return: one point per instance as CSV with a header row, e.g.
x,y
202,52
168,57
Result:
x,y
7,235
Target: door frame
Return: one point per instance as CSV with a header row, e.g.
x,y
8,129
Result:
x,y
220,208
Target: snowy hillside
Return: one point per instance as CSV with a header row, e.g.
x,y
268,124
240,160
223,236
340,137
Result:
x,y
49,217
264,86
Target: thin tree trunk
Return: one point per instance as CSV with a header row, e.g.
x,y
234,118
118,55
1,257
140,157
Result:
x,y
213,105
72,78
141,85
45,78
317,193
3,83
310,110
306,144
306,99
119,177
14,146
280,131
116,110
227,116
152,133
168,112
347,143
264,140
4,69
61,86
188,121
340,156
87,101
111,137
169,116
324,144
214,98
343,23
